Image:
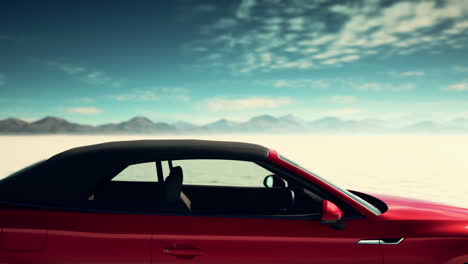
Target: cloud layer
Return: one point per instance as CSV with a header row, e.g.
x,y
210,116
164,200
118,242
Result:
x,y
269,35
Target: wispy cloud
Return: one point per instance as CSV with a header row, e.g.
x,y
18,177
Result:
x,y
3,80
297,23
84,110
243,11
85,74
344,112
175,93
67,67
206,8
373,86
155,94
444,104
137,96
84,100
405,74
370,87
99,78
457,87
460,68
301,83
224,23
218,104
343,99
412,73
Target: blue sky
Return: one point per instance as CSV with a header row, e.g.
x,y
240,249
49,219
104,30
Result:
x,y
198,61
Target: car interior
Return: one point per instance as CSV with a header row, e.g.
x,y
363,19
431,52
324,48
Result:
x,y
278,197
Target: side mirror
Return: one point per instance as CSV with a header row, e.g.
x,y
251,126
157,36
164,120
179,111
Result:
x,y
274,181
332,215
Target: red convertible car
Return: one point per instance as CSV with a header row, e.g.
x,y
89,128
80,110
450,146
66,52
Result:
x,y
192,201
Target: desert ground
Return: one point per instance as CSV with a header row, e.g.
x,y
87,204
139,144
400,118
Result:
x,y
426,167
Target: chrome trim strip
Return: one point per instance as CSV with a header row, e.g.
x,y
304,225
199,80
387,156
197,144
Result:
x,y
369,241
391,243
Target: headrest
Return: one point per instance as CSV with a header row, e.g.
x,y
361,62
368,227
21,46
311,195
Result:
x,y
173,185
176,172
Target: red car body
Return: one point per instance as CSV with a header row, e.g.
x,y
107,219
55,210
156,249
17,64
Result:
x,y
409,231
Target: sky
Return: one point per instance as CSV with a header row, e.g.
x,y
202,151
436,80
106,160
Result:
x,y
95,62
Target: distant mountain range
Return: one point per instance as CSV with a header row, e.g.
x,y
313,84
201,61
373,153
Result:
x,y
257,124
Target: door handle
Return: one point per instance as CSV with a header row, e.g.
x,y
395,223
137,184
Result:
x,y
186,253
384,241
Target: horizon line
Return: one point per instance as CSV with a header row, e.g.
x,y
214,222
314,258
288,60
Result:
x,y
302,120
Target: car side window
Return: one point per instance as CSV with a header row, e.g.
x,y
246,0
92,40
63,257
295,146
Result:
x,y
141,172
232,187
132,189
211,172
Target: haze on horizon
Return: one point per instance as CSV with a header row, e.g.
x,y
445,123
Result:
x,y
401,62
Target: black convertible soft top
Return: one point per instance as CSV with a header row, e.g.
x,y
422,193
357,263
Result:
x,y
73,174
170,149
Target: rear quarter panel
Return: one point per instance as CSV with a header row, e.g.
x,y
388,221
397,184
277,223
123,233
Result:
x,y
74,237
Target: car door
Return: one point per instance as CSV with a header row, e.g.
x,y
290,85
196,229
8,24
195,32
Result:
x,y
224,239
228,238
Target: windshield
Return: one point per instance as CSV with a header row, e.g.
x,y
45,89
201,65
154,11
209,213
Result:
x,y
348,193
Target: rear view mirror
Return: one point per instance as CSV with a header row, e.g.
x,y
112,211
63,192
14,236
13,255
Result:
x,y
332,215
274,181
